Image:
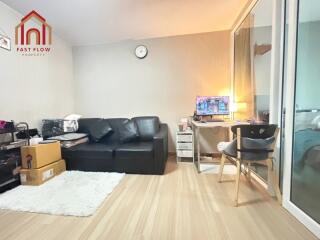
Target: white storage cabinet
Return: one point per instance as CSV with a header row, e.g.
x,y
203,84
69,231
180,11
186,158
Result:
x,y
184,145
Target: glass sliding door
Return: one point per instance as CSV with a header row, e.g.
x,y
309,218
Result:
x,y
301,192
305,178
283,91
252,68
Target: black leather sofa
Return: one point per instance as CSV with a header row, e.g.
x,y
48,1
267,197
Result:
x,y
146,155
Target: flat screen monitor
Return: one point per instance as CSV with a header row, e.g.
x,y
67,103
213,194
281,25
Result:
x,y
213,105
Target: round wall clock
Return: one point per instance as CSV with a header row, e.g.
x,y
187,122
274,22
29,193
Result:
x,y
141,51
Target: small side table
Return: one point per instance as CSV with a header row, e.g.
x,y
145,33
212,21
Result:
x,y
184,145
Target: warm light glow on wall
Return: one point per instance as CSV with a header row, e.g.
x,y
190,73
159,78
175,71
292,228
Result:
x,y
242,107
225,92
238,107
233,107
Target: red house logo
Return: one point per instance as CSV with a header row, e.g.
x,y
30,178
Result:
x,y
42,34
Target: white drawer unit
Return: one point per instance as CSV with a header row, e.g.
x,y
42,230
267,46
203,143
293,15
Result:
x,y
184,145
183,137
185,153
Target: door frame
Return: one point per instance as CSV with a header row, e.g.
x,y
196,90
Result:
x,y
232,45
244,13
276,71
313,226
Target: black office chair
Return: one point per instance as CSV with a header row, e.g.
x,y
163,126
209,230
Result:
x,y
253,144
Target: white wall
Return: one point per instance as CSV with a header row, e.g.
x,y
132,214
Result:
x,y
262,63
112,82
262,68
33,88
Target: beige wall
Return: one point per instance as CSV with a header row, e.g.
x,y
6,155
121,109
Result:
x,y
112,82
33,88
109,81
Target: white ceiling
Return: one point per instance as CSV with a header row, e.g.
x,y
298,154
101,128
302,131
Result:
x,y
86,22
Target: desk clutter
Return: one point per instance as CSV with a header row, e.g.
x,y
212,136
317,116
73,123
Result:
x,y
64,130
10,159
26,159
197,137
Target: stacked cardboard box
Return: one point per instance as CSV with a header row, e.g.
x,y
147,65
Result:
x,y
40,163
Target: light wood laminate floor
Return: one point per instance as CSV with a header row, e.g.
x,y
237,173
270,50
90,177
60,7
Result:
x,y
181,204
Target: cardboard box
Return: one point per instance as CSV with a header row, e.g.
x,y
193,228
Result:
x,y
41,175
40,155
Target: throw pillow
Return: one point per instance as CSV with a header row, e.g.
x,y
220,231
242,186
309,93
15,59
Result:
x,y
99,129
128,131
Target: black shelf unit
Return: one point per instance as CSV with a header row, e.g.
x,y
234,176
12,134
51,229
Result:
x,y
10,159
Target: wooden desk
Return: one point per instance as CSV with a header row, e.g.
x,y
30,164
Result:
x,y
197,126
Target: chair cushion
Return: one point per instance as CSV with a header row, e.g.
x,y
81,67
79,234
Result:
x,y
141,150
128,131
147,126
250,144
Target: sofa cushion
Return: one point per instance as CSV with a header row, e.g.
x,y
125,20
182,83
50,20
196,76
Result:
x,y
85,123
97,128
128,131
90,151
115,124
94,157
133,150
135,158
147,126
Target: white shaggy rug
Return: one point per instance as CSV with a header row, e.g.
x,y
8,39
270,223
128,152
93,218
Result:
x,y
72,193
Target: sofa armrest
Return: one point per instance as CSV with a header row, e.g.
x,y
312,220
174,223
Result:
x,y
160,142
